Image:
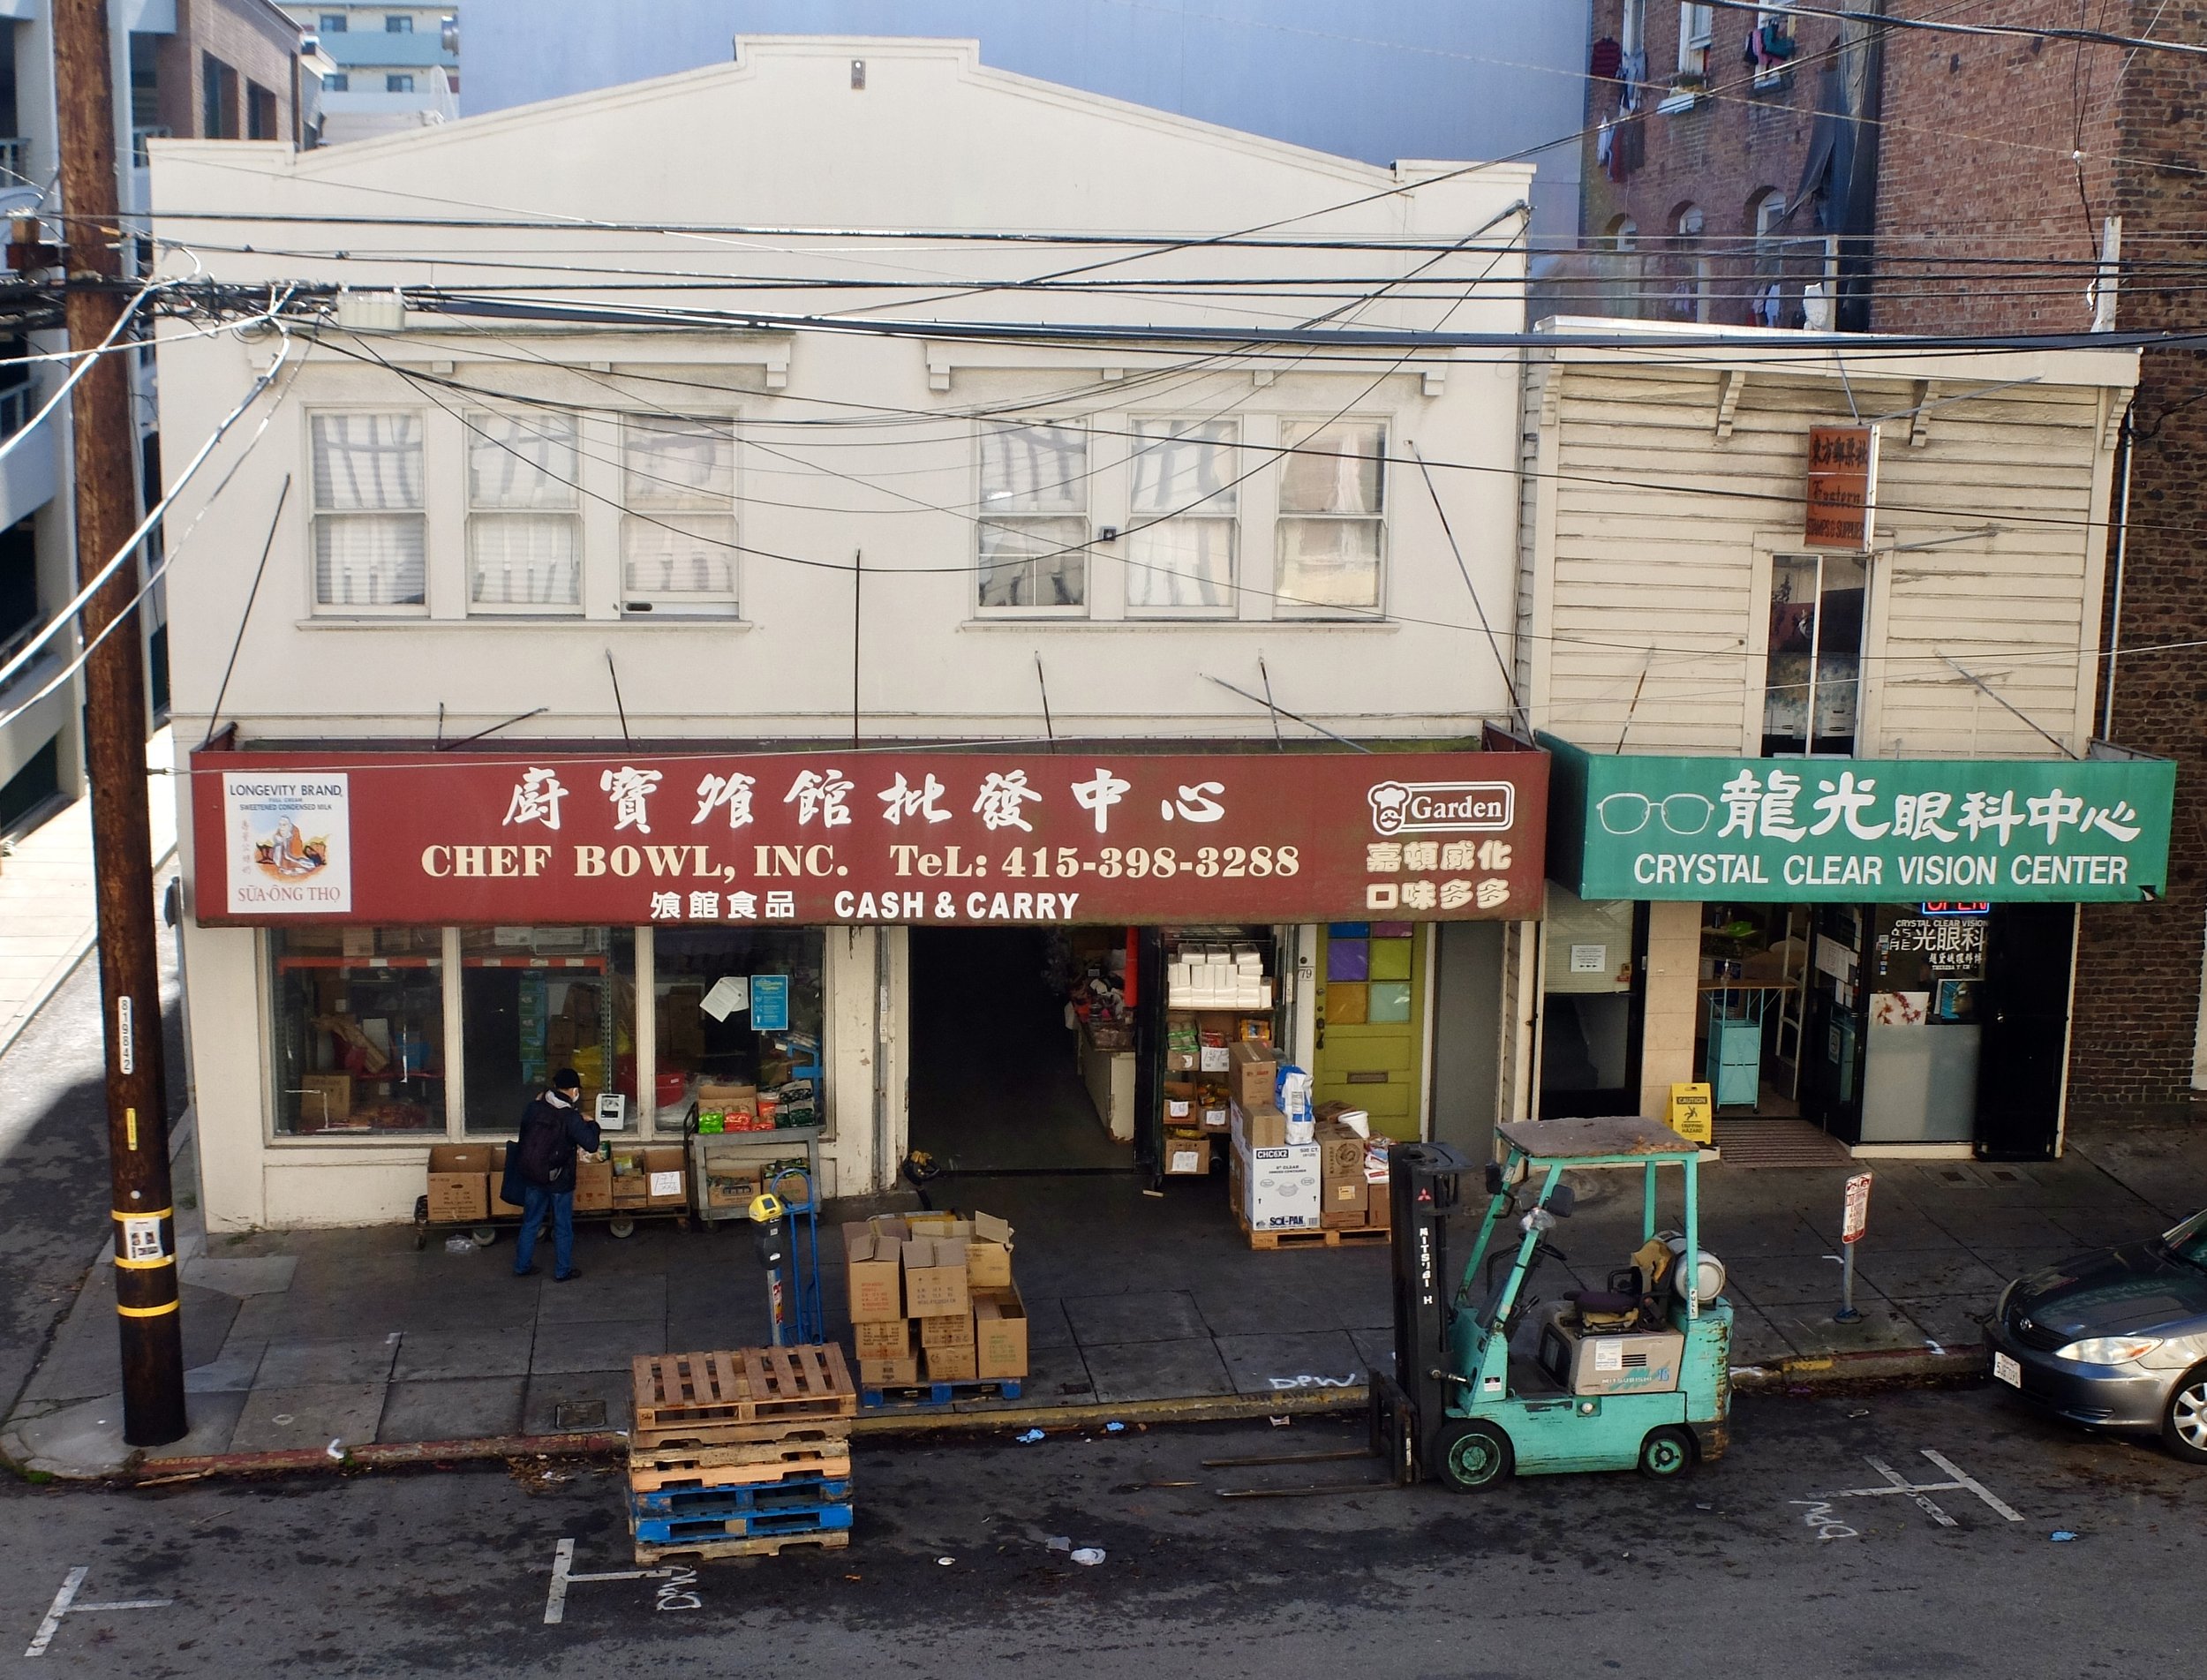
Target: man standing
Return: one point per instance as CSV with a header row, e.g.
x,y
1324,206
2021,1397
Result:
x,y
544,1160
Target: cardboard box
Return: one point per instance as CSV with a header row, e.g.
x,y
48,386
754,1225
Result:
x,y
500,1209
1379,1206
632,1188
325,1096
1281,1189
1341,1153
1187,1158
459,1182
1250,1071
935,1276
1259,1128
1215,1118
952,1363
936,1223
874,1272
900,1373
1358,1120
1345,1200
999,1323
1179,1101
593,1185
952,1330
888,1339
989,1253
712,1094
666,1177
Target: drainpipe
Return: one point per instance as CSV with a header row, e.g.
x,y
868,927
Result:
x,y
2127,443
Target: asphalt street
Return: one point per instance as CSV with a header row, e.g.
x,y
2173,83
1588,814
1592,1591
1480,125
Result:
x,y
1767,1563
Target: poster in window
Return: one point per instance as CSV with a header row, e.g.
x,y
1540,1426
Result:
x,y
770,1003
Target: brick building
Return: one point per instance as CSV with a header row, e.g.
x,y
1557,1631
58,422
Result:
x,y
1977,186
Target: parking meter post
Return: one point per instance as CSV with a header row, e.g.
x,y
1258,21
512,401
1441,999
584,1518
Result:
x,y
1854,1220
1847,1315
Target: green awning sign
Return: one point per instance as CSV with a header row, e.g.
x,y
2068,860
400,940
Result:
x,y
1858,830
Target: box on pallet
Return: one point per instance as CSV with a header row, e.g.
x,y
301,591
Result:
x,y
952,1363
1342,1149
935,1276
884,1338
1257,1126
999,1320
898,1373
1279,1189
593,1185
874,1267
458,1182
1250,1071
988,1240
950,1330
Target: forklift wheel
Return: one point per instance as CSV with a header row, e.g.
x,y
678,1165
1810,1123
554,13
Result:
x,y
1666,1453
1475,1457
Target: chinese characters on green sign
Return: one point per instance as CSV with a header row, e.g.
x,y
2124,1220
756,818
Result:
x,y
1859,830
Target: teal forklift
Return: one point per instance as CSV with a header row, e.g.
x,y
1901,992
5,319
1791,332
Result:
x,y
1488,1379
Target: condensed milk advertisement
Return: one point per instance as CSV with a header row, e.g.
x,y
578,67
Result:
x,y
1098,836
288,843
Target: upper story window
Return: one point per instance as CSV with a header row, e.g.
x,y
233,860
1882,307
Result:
x,y
524,532
340,83
1697,33
1332,522
1181,543
218,99
1033,530
678,543
1813,681
333,23
369,535
1633,33
261,112
399,81
399,23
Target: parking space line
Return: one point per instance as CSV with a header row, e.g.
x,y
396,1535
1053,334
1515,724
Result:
x,y
66,1604
1973,1485
564,1574
1919,1494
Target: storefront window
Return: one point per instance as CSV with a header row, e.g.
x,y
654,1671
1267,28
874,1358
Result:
x,y
533,1000
739,1007
358,1032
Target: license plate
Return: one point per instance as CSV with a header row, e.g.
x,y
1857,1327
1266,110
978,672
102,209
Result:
x,y
2007,1371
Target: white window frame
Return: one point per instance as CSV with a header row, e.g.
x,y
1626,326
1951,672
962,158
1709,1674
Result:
x,y
1079,425
1291,425
1697,33
473,423
399,81
1209,511
1818,653
682,606
317,514
1632,27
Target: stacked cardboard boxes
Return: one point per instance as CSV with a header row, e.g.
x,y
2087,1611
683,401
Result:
x,y
932,1301
735,1454
465,1180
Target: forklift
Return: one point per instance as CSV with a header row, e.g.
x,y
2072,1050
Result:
x,y
1488,1381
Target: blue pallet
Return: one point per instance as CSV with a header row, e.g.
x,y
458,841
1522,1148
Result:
x,y
799,1492
673,1530
917,1397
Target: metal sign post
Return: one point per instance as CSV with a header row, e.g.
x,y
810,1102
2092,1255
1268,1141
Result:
x,y
1855,1222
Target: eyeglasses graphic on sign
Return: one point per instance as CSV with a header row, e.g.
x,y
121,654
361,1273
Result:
x,y
1628,813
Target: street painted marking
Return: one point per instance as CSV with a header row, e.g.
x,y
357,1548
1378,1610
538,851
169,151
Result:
x,y
564,1574
66,1604
1821,1517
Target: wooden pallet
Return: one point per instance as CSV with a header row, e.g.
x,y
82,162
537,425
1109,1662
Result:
x,y
762,1546
654,1472
765,1524
922,1397
755,1499
1361,1235
744,1395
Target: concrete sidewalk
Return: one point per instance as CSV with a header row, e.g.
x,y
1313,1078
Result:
x,y
48,919
297,1341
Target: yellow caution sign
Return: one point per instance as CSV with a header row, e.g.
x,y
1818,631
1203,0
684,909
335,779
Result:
x,y
1691,1114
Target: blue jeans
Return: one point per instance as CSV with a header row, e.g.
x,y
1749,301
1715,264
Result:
x,y
536,1200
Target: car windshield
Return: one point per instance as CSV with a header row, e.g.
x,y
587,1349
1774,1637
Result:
x,y
2189,1242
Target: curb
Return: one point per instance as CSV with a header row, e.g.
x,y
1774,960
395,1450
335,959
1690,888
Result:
x,y
1837,1372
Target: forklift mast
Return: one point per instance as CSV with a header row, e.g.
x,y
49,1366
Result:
x,y
1424,1187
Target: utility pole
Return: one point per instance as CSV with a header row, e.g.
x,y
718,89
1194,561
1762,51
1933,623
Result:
x,y
115,738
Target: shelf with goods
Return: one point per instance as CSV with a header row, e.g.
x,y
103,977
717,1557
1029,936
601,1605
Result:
x,y
1221,990
359,1037
1088,966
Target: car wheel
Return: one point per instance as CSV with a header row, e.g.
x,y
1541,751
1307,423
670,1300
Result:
x,y
2184,1419
1666,1453
1475,1457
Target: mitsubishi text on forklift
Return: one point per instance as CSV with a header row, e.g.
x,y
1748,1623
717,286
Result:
x,y
1488,1380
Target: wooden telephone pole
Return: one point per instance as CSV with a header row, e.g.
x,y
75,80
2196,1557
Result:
x,y
106,441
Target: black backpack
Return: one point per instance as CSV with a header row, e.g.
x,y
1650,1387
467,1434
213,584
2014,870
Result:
x,y
542,1156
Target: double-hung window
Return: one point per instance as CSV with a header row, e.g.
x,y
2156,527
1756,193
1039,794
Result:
x,y
678,544
1697,33
1033,529
1813,681
369,535
524,529
1332,529
1182,535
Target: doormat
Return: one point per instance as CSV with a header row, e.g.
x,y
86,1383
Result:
x,y
1754,1142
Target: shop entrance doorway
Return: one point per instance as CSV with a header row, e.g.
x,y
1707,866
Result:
x,y
996,1084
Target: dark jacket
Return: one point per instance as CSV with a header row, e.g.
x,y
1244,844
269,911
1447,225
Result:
x,y
575,1132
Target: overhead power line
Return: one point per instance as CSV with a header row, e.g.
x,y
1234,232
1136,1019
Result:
x,y
2025,32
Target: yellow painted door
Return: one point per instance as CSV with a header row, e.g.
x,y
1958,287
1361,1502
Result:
x,y
1372,1021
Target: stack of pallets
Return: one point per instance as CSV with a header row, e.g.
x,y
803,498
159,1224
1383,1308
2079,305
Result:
x,y
742,1453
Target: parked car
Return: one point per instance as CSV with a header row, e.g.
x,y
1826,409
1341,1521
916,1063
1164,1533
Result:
x,y
2115,1339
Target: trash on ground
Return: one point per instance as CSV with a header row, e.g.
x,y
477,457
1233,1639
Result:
x,y
1030,1438
946,1562
1088,1554
1060,1542
459,1244
1281,1423
1113,1429
336,1448
2062,1534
